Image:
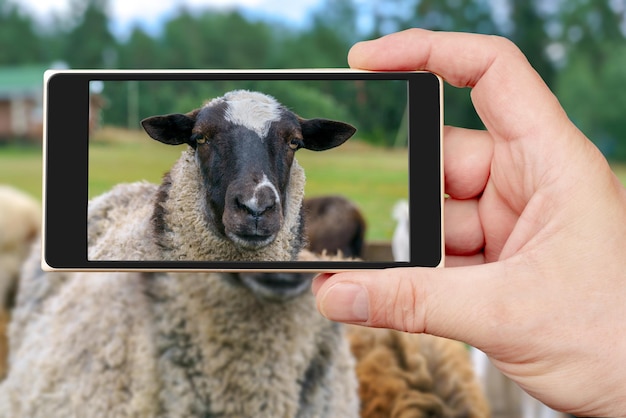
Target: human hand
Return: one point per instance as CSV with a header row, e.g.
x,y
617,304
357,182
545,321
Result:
x,y
535,227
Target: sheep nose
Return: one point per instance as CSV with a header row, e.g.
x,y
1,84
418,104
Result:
x,y
264,198
258,205
252,215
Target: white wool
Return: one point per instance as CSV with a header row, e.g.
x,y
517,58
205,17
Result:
x,y
253,110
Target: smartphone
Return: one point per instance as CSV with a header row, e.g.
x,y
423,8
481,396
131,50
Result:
x,y
235,170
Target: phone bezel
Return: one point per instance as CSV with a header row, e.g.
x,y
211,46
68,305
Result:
x,y
65,182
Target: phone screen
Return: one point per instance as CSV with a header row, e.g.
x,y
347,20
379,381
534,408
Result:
x,y
121,145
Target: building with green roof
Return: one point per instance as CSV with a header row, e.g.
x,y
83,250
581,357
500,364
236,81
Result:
x,y
21,103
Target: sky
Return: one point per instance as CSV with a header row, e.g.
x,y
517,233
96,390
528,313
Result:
x,y
149,14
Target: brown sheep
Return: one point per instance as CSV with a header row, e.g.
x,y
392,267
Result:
x,y
333,224
405,375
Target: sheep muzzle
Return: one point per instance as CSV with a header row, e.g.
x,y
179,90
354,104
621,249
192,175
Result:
x,y
253,215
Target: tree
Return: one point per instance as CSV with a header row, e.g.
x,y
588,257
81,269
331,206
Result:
x,y
140,51
90,44
211,39
19,43
528,33
591,94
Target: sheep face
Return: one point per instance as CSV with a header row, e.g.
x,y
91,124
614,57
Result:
x,y
244,144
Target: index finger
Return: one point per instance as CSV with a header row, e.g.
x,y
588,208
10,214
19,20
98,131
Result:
x,y
509,96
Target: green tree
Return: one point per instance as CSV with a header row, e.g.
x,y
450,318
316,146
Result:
x,y
210,39
140,51
19,44
90,44
591,94
593,62
529,34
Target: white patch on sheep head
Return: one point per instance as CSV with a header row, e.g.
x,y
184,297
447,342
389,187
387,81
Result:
x,y
255,111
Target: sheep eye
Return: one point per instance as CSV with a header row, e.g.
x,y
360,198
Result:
x,y
295,143
201,139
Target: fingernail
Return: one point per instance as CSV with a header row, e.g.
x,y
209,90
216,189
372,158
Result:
x,y
345,302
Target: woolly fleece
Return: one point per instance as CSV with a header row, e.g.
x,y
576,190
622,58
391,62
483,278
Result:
x,y
414,375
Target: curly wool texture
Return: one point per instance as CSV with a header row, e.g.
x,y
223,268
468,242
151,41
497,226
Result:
x,y
171,345
405,375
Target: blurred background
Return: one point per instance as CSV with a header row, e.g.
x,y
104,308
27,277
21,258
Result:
x,y
578,47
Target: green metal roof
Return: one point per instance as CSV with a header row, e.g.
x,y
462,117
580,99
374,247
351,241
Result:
x,y
21,80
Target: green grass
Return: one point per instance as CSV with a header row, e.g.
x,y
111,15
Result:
x,y
21,167
121,156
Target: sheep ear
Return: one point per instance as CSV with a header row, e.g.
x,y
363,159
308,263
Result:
x,y
174,129
323,134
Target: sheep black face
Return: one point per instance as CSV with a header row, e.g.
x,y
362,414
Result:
x,y
245,144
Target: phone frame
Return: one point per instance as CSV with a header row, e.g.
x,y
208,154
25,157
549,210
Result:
x,y
65,169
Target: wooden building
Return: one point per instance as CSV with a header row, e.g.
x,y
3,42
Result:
x,y
21,103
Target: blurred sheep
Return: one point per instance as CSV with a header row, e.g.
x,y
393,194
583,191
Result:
x,y
404,375
400,241
334,224
20,223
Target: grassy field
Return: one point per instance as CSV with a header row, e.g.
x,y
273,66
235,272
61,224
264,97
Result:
x,y
21,167
375,178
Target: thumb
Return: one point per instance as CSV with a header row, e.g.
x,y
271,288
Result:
x,y
448,302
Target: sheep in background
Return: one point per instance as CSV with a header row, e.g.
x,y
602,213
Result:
x,y
506,398
334,224
20,224
400,241
414,375
190,344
